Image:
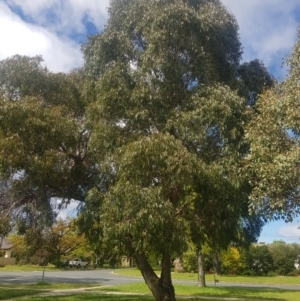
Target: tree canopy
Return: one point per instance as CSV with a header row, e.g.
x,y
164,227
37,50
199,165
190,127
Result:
x,y
168,125
43,136
273,135
148,135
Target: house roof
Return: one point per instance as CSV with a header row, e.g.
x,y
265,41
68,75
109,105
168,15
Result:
x,y
6,244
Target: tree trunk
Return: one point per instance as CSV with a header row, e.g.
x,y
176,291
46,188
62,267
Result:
x,y
201,268
161,287
217,264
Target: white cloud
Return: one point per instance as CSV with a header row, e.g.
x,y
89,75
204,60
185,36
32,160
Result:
x,y
18,37
64,16
95,10
290,231
268,28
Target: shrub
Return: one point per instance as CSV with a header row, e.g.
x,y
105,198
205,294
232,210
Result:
x,y
249,273
284,256
258,259
272,274
231,261
293,273
189,262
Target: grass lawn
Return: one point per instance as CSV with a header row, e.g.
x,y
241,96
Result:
x,y
95,297
13,293
110,293
276,280
47,286
218,292
20,290
212,294
27,268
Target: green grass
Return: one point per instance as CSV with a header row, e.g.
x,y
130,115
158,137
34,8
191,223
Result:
x,y
96,297
218,292
48,286
27,268
110,293
7,293
215,294
20,290
275,280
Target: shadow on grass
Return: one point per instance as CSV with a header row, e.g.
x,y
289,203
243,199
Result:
x,y
97,297
194,293
93,297
9,293
182,291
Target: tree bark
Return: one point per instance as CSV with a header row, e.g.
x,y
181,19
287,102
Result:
x,y
160,287
201,268
217,263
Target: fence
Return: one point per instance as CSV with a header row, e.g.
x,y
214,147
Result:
x,y
7,261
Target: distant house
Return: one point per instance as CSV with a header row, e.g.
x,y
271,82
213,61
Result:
x,y
126,261
6,247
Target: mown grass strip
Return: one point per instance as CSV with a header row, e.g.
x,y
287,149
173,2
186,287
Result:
x,y
218,292
275,280
22,290
48,286
14,293
27,268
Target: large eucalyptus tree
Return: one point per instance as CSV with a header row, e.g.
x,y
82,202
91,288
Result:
x,y
165,127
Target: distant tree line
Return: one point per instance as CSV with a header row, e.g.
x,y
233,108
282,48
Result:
x,y
277,258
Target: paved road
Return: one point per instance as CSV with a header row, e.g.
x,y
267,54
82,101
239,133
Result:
x,y
104,277
69,276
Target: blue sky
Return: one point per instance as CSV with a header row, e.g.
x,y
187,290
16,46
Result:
x,y
56,28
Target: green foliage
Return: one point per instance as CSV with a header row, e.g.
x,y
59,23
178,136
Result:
x,y
43,139
28,80
253,80
166,126
284,257
63,240
172,37
258,260
273,259
5,226
20,248
273,134
161,120
189,259
148,135
190,262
